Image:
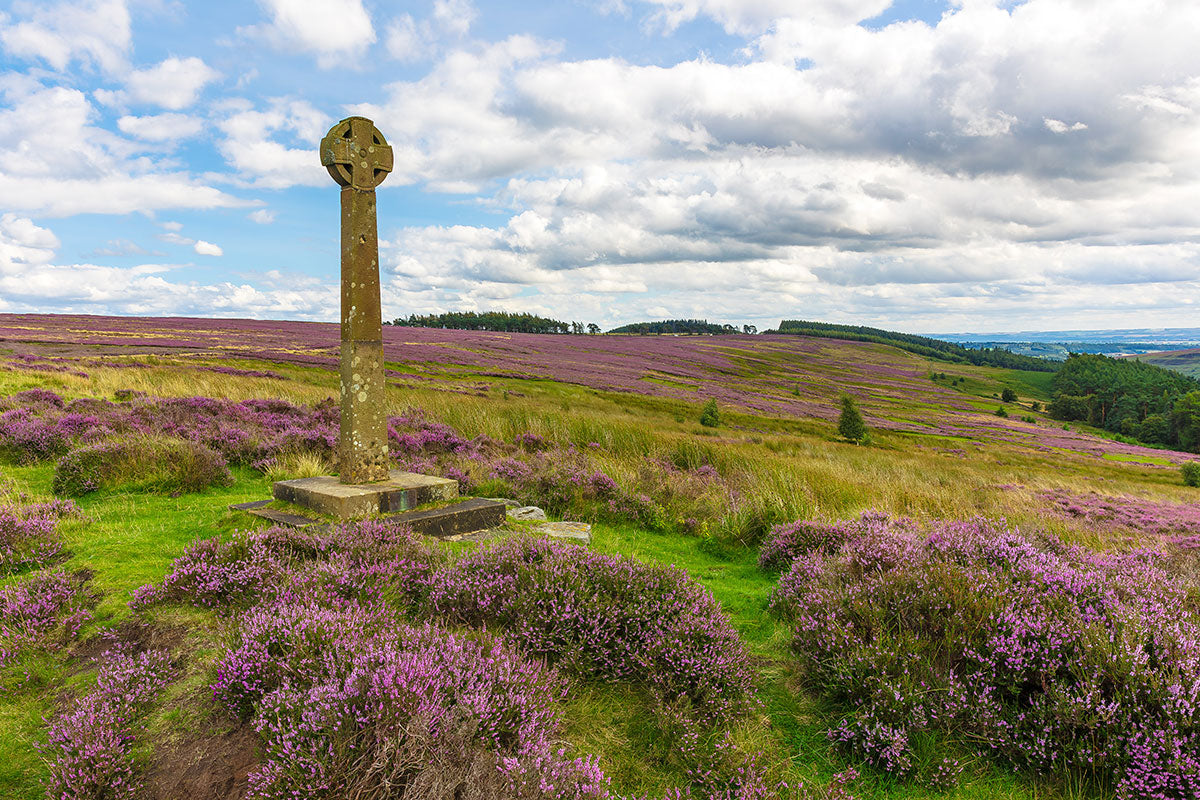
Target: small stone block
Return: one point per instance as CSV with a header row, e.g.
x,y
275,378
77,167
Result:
x,y
576,531
465,517
527,514
400,492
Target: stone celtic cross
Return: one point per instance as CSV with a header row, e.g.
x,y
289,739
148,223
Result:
x,y
358,158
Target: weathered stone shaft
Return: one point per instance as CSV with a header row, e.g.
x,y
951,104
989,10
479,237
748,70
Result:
x,y
363,445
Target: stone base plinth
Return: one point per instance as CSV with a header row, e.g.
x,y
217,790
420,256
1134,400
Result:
x,y
400,492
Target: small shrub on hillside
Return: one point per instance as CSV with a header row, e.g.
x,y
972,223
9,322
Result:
x,y
1008,395
710,417
1052,658
1036,406
140,464
1030,418
1001,412
1191,473
850,423
89,746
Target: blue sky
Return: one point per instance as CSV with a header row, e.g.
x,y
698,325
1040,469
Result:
x,y
978,165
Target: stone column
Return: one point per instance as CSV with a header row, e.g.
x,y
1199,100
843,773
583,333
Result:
x,y
358,158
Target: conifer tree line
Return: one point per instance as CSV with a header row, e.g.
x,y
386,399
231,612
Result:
x,y
1129,397
494,321
684,326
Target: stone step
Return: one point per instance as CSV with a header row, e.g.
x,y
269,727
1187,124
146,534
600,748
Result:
x,y
284,518
464,517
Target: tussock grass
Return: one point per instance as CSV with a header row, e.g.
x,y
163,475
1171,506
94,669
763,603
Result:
x,y
298,465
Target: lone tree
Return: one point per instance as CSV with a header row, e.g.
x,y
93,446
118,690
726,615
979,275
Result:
x,y
1008,395
710,417
850,423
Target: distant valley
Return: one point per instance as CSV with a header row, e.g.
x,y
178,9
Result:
x,y
1173,348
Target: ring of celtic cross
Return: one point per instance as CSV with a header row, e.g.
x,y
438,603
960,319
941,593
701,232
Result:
x,y
356,154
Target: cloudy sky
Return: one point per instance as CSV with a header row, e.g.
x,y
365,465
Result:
x,y
975,165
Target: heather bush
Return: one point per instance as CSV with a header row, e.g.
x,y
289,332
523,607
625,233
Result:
x,y
1055,659
1191,473
29,535
321,663
28,438
46,608
785,542
351,702
604,617
214,573
373,560
89,745
140,463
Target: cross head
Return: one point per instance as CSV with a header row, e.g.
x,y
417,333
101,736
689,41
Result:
x,y
356,154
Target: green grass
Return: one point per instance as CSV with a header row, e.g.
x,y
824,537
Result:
x,y
783,466
1136,459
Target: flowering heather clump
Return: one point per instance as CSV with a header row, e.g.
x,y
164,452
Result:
x,y
35,609
330,675
1052,658
89,745
29,534
785,542
28,438
606,617
352,701
879,532
373,561
1159,519
213,573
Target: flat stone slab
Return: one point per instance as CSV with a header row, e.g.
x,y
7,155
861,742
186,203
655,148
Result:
x,y
576,531
467,516
527,513
282,517
400,492
250,505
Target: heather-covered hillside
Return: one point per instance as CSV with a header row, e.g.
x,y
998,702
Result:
x,y
966,600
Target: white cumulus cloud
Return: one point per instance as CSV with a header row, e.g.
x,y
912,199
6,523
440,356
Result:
x,y
337,32
161,127
96,32
207,248
173,84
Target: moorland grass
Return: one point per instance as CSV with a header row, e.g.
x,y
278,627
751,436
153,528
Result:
x,y
785,468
